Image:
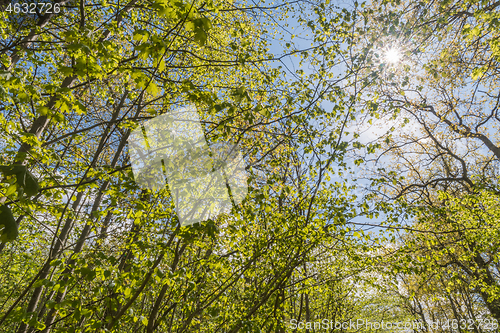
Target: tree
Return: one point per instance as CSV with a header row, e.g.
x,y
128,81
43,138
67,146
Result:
x,y
95,252
439,105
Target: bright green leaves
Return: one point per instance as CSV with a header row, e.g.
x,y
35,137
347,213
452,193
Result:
x,y
151,46
65,105
478,72
144,82
87,273
263,111
154,51
141,35
44,111
8,226
140,79
66,71
90,56
79,107
167,8
195,95
200,28
57,116
79,47
28,182
25,181
153,89
192,233
12,83
241,94
180,11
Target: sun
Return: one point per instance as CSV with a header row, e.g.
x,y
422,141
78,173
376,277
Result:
x,y
392,55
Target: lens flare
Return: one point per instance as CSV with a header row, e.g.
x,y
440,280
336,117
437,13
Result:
x,y
392,55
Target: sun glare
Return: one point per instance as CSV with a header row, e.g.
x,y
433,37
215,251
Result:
x,y
392,56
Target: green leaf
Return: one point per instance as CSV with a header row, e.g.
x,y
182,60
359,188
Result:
x,y
153,89
10,190
44,111
58,117
66,71
200,27
79,108
24,178
141,35
477,72
9,230
265,112
200,36
30,184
